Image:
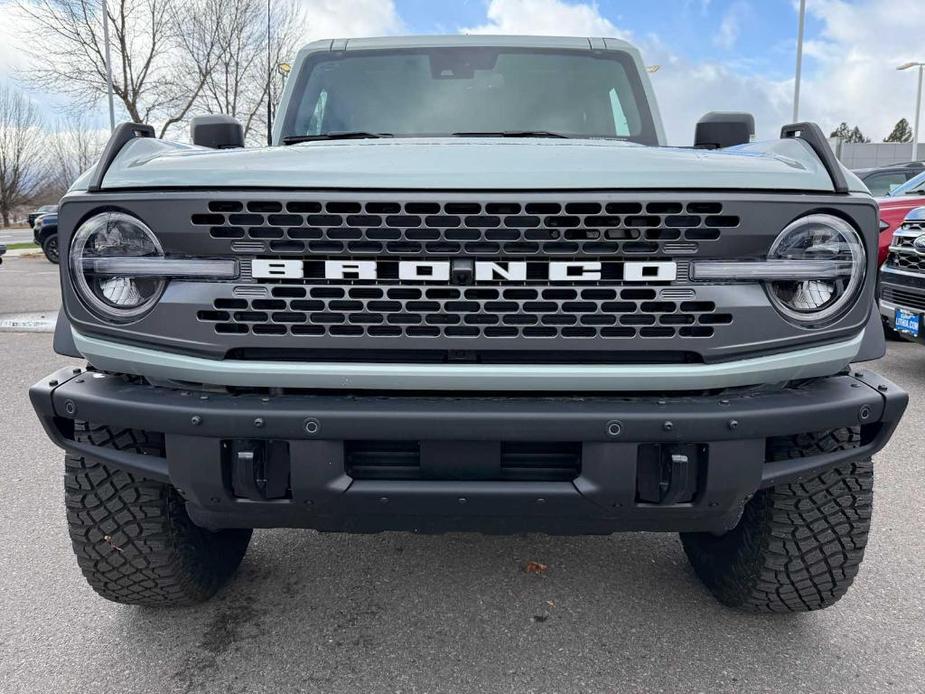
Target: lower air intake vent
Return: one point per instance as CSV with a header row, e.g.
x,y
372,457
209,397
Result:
x,y
463,460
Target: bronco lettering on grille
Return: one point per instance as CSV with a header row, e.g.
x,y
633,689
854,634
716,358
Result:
x,y
484,271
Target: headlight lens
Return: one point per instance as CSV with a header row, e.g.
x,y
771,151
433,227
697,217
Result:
x,y
115,235
819,301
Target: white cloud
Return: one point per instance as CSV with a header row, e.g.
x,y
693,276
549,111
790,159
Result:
x,y
852,75
730,26
328,19
849,70
545,17
12,53
686,90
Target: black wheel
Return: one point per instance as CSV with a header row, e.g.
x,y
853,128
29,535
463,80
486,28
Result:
x,y
134,541
797,547
50,248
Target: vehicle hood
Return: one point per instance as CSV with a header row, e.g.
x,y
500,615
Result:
x,y
907,201
460,164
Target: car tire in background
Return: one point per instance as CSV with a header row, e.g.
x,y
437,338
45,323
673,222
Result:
x,y
50,248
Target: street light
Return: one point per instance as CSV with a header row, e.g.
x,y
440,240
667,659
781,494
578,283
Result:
x,y
918,107
799,70
112,110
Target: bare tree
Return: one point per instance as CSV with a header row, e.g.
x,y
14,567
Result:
x,y
241,75
72,148
149,45
21,153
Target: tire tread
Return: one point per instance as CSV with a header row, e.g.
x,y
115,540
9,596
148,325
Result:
x,y
132,536
798,547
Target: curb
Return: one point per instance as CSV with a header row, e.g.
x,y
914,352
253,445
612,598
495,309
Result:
x,y
40,322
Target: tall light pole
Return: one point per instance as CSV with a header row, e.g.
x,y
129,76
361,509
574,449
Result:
x,y
916,133
799,71
112,110
269,81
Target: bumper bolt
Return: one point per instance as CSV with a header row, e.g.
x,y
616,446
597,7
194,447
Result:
x,y
882,388
196,420
733,424
312,426
864,413
52,383
76,370
462,500
214,499
667,426
258,422
614,428
70,407
383,499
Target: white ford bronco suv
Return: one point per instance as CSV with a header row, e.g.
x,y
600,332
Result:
x,y
468,287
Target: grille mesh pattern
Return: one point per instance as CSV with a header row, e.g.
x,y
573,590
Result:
x,y
474,228
903,255
465,312
907,261
904,298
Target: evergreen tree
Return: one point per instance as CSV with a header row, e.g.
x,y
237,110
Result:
x,y
857,136
849,134
902,132
842,131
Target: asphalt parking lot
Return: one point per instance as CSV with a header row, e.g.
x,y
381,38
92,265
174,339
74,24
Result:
x,y
404,613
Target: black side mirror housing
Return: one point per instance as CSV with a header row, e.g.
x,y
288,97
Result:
x,y
720,129
217,132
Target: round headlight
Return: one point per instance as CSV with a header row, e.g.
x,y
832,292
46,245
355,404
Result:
x,y
819,301
114,235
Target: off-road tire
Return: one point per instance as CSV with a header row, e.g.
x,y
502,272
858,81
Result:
x,y
797,546
50,248
133,538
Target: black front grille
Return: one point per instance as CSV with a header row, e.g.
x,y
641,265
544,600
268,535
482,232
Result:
x,y
467,312
911,262
469,227
903,297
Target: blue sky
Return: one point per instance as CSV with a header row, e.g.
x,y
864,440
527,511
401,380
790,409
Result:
x,y
764,37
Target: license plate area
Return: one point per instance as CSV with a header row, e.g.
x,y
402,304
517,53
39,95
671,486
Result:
x,y
907,322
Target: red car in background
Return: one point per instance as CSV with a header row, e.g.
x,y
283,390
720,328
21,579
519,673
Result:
x,y
895,207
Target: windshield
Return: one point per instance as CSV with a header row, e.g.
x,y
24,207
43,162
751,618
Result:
x,y
471,91
914,186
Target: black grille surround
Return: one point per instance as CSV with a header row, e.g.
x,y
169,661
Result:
x,y
485,230
602,319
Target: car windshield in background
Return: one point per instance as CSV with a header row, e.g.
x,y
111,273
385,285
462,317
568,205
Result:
x,y
914,186
468,92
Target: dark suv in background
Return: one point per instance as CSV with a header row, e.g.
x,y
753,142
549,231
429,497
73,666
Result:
x,y
882,180
45,234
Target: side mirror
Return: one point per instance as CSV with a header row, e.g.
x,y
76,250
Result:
x,y
720,129
217,132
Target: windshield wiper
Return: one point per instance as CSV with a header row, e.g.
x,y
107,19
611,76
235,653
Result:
x,y
513,133
345,135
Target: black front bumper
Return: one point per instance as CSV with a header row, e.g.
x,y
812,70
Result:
x,y
716,446
899,289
